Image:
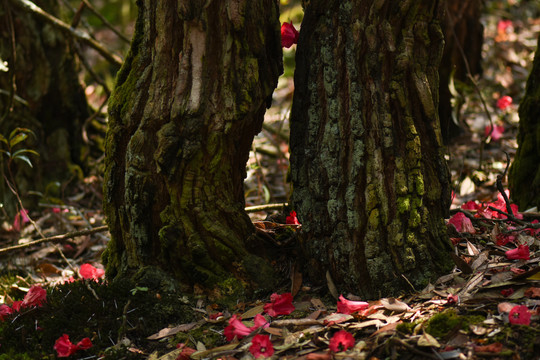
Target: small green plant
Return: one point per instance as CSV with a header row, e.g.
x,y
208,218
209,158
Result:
x,y
8,149
16,137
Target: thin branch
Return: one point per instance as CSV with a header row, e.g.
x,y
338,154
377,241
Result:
x,y
105,21
256,208
56,238
80,35
500,186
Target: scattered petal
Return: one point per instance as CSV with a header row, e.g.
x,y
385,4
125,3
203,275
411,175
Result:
x,y
88,271
261,346
521,252
345,306
496,134
35,296
236,328
504,101
64,347
341,341
462,223
291,219
289,35
279,305
519,315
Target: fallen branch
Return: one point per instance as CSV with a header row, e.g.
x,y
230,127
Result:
x,y
56,238
80,35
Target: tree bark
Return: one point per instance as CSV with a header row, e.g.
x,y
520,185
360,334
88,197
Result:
x,y
371,186
524,176
47,98
186,106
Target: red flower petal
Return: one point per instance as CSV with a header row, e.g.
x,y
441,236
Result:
x,y
88,271
259,321
521,252
291,219
497,132
261,346
236,328
84,344
289,35
341,341
64,347
519,315
345,306
279,305
504,102
462,223
35,296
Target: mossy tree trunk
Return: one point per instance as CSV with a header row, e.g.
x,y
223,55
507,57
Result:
x,y
462,55
186,106
524,176
47,98
371,186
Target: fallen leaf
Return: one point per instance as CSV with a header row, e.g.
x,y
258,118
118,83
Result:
x,y
318,304
491,348
394,305
532,292
428,340
209,353
169,331
331,287
253,311
319,356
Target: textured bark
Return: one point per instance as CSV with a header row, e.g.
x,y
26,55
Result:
x,y
524,177
371,187
46,78
463,37
187,104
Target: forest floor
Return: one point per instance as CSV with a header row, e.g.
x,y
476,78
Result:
x,y
488,307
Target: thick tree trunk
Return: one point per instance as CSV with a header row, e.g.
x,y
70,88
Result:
x,y
47,98
371,186
462,55
188,101
524,177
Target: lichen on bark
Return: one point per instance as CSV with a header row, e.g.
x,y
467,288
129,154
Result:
x,y
524,175
187,104
371,187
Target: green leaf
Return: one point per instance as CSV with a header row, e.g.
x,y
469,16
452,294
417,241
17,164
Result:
x,y
3,139
25,159
17,139
19,133
25,151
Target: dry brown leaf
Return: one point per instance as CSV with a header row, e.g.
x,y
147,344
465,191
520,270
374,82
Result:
x,y
505,307
169,331
318,304
471,249
273,331
386,328
426,340
532,292
394,305
360,325
253,311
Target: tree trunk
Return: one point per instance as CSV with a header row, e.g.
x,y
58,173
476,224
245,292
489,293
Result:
x,y
47,98
186,106
371,186
462,55
524,176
